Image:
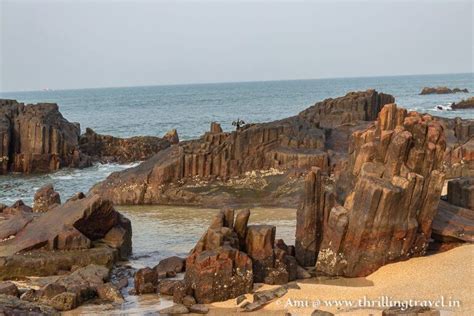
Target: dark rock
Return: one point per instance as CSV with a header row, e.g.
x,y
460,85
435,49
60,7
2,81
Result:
x,y
8,288
146,281
170,265
410,311
46,198
301,273
240,299
107,148
464,104
11,305
260,241
441,90
37,138
461,192
318,312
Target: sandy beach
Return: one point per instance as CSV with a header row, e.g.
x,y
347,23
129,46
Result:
x,y
446,275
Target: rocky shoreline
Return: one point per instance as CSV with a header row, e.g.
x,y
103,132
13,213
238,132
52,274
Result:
x,y
366,176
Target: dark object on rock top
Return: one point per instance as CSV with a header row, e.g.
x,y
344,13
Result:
x,y
381,207
441,90
464,104
46,198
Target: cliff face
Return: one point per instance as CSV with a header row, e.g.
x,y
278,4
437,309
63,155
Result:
x,y
381,207
295,143
37,138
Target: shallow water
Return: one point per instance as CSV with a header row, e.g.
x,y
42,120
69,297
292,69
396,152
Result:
x,y
163,231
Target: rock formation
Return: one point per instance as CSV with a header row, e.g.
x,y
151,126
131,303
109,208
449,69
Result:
x,y
441,90
295,143
87,230
105,148
380,209
464,104
36,138
46,198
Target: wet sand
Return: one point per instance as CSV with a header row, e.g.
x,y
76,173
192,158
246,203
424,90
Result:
x,y
448,275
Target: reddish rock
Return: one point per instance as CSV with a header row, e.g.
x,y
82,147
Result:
x,y
46,198
381,207
215,128
92,216
69,239
172,136
146,281
453,223
260,241
17,208
293,143
37,138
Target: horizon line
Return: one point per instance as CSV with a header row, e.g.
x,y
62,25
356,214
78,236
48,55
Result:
x,y
234,82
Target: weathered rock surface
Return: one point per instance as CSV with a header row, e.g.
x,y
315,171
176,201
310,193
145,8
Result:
x,y
296,143
149,280
464,104
454,221
46,198
441,90
381,208
37,138
11,305
8,288
105,148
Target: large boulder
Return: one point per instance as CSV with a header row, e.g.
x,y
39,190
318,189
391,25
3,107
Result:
x,y
381,208
37,138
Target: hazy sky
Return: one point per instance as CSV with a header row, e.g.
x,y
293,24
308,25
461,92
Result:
x,y
78,44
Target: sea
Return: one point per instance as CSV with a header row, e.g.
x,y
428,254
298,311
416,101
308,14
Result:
x,y
161,231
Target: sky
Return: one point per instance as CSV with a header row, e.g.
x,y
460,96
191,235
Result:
x,y
86,44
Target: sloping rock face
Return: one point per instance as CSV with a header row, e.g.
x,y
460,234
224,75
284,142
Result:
x,y
37,138
232,255
89,224
293,143
105,148
380,209
441,90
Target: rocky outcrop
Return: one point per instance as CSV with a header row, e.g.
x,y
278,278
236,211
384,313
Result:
x,y
464,104
295,143
441,90
87,230
148,280
381,208
37,138
232,255
461,192
46,198
105,148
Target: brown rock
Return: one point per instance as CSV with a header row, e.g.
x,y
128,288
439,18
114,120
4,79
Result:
x,y
199,309
37,138
172,136
107,148
410,311
146,281
441,90
8,288
216,128
260,241
461,192
453,223
464,104
17,208
69,239
177,309
46,198
171,265
110,293
371,216
166,287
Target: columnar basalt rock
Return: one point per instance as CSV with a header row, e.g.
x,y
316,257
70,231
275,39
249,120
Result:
x,y
461,192
107,148
295,143
36,138
381,208
231,256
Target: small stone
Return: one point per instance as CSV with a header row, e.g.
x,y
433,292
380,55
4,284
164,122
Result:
x,y
189,300
240,299
177,309
109,293
199,309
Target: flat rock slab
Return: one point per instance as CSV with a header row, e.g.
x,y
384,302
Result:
x,y
453,223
